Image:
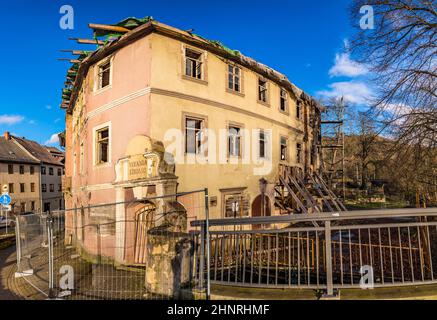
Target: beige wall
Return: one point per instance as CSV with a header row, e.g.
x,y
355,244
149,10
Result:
x,y
56,197
150,95
26,178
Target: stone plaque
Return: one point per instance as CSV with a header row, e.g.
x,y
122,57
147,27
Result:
x,y
143,166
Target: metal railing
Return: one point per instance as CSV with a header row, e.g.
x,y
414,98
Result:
x,y
324,251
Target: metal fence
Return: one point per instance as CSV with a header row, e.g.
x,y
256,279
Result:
x,y
87,253
324,251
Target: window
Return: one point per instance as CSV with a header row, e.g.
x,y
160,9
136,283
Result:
x,y
52,187
50,171
283,101
43,170
284,149
59,187
21,169
104,75
10,168
262,144
234,78
32,187
235,205
59,172
298,110
32,170
44,187
22,187
234,141
193,64
22,207
32,206
262,90
103,145
299,153
11,188
193,135
60,204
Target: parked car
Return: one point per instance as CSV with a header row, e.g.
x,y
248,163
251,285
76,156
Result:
x,y
6,222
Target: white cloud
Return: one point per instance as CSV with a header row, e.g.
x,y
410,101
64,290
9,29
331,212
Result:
x,y
10,119
54,139
353,91
345,66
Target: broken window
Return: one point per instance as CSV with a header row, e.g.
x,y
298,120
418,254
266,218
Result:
x,y
299,153
103,145
104,75
193,64
283,100
298,110
284,149
262,90
234,141
262,144
193,135
234,78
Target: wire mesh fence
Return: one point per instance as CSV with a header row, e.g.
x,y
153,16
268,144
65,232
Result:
x,y
122,251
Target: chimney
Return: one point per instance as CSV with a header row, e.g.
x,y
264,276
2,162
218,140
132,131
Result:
x,y
7,135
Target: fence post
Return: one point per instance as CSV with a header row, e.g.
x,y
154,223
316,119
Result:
x,y
329,284
208,262
202,256
18,240
50,254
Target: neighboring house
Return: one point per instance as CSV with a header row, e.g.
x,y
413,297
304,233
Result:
x,y
129,100
20,171
52,170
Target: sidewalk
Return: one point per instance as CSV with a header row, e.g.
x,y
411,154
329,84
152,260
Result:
x,y
7,270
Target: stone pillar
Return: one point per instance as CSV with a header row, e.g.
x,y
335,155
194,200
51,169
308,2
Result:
x,y
169,261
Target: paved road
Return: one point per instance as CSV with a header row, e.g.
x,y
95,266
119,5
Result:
x,y
7,269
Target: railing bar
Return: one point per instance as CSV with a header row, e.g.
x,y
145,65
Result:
x,y
268,258
298,258
230,248
350,258
317,257
216,256
277,258
289,258
420,254
252,249
391,256
380,255
223,257
429,253
308,258
359,241
341,257
260,258
402,258
244,258
238,257
411,254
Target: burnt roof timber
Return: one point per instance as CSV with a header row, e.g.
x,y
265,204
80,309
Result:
x,y
88,41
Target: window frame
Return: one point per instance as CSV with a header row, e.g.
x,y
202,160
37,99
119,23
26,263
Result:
x,y
32,187
97,75
22,188
10,168
265,143
286,99
32,170
97,129
299,150
203,60
51,187
266,90
11,187
43,170
44,188
195,117
21,169
51,171
234,75
287,150
229,193
240,128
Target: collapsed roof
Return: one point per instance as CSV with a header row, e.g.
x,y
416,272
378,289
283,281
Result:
x,y
110,38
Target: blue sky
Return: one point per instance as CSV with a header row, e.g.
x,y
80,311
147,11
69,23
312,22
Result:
x,y
302,39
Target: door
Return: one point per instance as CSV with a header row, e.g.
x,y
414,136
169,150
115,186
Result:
x,y
144,221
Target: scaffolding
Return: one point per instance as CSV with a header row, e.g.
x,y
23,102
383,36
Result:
x,y
333,147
